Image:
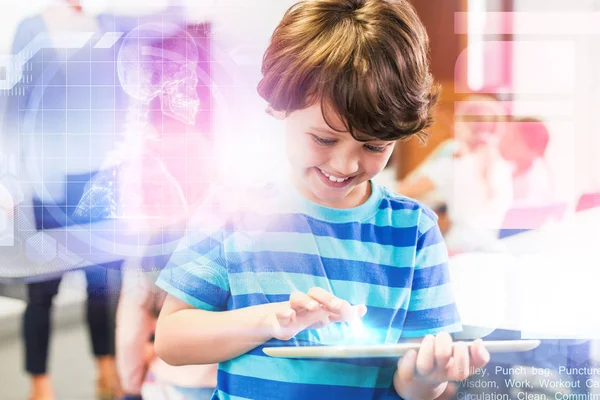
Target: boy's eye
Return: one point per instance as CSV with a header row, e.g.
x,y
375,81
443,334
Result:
x,y
325,142
375,149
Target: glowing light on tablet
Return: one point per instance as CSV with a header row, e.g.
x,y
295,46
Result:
x,y
358,329
361,334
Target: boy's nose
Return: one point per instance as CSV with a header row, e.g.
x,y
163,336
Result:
x,y
344,166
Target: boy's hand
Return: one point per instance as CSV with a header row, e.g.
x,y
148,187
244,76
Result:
x,y
424,374
339,310
316,309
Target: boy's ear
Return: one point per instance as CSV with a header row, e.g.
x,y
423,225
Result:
x,y
280,115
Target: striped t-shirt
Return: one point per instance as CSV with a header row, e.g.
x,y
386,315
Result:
x,y
387,253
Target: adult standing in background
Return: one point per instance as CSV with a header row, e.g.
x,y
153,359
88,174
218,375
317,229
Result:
x,y
59,107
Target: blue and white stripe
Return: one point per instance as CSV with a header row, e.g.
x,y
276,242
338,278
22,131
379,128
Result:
x,y
387,254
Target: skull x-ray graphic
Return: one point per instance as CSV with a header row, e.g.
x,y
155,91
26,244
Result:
x,y
160,60
155,60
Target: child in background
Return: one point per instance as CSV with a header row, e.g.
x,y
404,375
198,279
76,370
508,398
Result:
x,y
305,262
142,374
524,146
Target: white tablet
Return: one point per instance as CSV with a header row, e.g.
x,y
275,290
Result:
x,y
385,350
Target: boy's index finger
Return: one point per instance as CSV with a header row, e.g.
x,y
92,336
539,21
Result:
x,y
301,301
328,299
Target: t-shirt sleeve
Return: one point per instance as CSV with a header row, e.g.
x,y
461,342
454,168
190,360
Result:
x,y
431,308
196,273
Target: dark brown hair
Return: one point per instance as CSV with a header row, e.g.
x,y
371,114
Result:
x,y
368,59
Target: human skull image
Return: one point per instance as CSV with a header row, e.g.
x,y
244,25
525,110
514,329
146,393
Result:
x,y
155,60
158,59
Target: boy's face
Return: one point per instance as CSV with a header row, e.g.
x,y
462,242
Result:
x,y
331,168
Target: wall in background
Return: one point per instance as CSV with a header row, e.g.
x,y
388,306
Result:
x,y
556,65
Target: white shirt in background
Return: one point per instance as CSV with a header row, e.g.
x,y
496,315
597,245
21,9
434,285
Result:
x,y
534,187
478,191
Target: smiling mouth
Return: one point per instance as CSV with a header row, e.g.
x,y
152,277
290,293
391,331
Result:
x,y
334,181
334,178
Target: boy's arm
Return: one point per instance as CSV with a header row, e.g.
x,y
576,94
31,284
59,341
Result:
x,y
186,335
194,325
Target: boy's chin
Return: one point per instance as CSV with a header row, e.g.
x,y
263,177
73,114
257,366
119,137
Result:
x,y
328,198
331,197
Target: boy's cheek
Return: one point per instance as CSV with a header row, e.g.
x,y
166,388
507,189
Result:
x,y
303,157
378,166
299,159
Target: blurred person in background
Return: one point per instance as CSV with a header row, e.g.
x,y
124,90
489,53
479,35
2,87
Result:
x,y
143,374
61,145
467,178
524,146
180,149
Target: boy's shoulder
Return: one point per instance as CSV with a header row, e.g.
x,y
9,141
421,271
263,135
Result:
x,y
397,201
405,210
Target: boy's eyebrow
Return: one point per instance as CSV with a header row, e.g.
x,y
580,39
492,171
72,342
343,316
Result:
x,y
333,132
325,130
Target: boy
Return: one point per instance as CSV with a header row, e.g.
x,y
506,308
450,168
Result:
x,y
303,262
